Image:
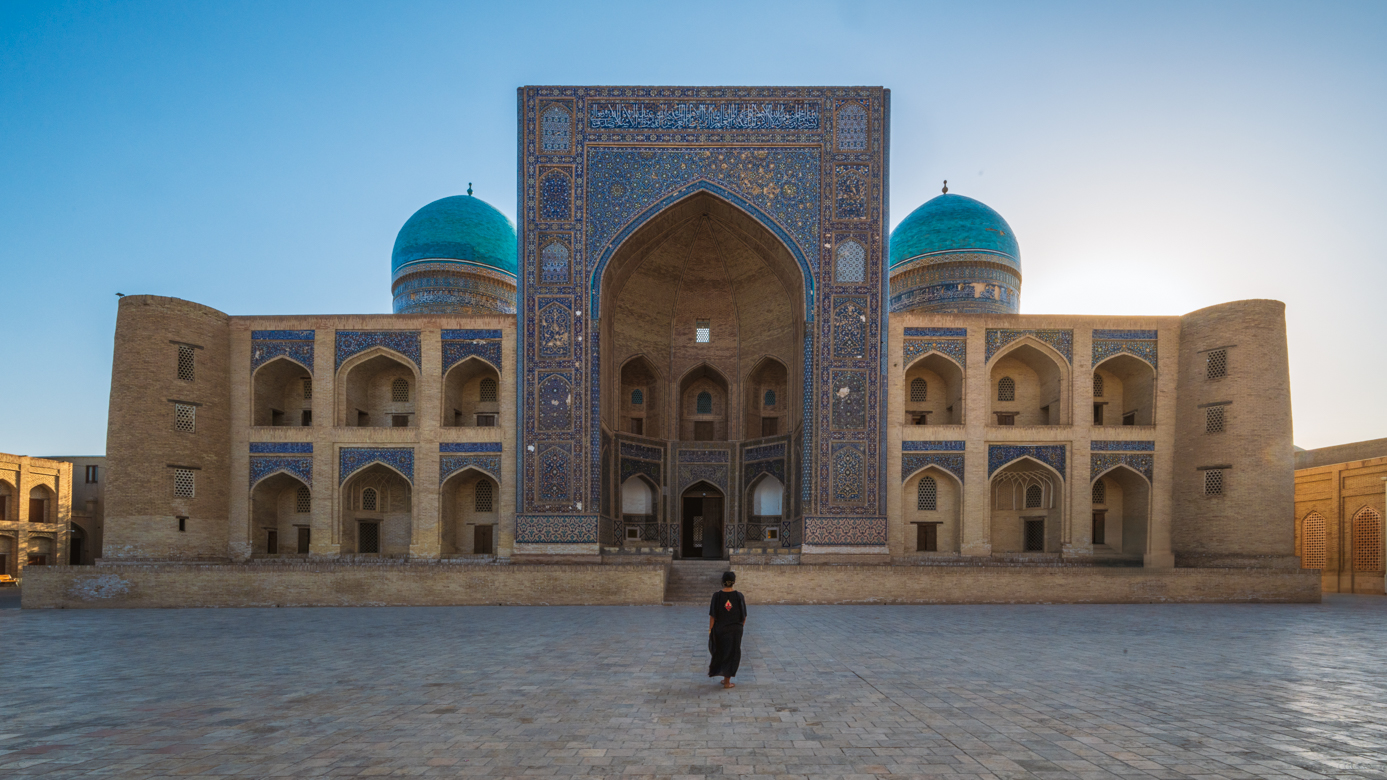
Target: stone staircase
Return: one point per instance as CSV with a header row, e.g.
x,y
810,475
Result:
x,y
693,581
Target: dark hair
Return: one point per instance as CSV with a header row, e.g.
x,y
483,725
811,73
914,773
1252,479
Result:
x,y
728,578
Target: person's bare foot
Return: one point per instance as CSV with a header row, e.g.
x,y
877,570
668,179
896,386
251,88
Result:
x,y
728,684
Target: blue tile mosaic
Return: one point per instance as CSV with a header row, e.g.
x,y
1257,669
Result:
x,y
839,531
261,467
281,447
631,466
704,115
452,464
915,348
554,483
1123,446
1053,455
555,412
775,468
629,449
703,456
1146,350
1061,340
689,473
937,333
932,446
352,342
764,452
555,196
556,529
470,446
470,334
912,463
556,129
1100,463
1124,335
851,128
277,344
853,189
849,393
850,328
849,471
354,459
455,352
281,335
555,335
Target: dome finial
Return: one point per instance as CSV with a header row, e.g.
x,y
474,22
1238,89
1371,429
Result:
x,y
946,186
469,187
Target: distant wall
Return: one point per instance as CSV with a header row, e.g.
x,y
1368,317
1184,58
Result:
x,y
1341,453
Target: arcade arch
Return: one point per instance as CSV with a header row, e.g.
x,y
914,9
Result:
x,y
1027,508
639,399
282,394
1124,392
471,503
1121,522
1029,385
378,389
471,395
702,518
933,391
931,505
376,516
280,516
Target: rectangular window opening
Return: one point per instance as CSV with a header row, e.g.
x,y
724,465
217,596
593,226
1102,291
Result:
x,y
1216,364
306,419
91,475
1035,536
769,425
1100,527
638,426
182,524
36,510
184,418
1213,482
272,543
703,332
1214,419
307,388
183,484
481,540
486,421
1006,418
927,537
1098,414
368,538
276,417
1129,418
305,534
185,362
399,421
362,419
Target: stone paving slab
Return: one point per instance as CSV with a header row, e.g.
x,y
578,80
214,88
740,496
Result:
x,y
1162,691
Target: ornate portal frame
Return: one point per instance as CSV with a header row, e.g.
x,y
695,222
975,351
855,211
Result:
x,y
578,150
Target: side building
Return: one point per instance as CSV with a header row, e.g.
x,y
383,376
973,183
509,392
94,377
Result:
x,y
1340,511
35,513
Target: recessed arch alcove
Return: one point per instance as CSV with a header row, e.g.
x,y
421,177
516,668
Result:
x,y
1029,385
282,394
933,391
1121,513
1124,392
378,388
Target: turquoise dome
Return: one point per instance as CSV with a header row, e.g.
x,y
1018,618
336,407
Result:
x,y
952,223
460,228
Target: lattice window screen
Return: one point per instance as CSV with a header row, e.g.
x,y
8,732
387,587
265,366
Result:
x,y
927,494
1100,492
1213,482
768,400
1213,419
483,500
1097,385
185,362
184,418
704,403
486,391
638,397
368,500
1006,389
1216,364
303,501
307,389
703,331
1367,540
1034,497
919,390
183,484
399,390
1313,542
851,267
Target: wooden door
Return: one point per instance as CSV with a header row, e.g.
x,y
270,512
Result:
x,y
304,535
481,540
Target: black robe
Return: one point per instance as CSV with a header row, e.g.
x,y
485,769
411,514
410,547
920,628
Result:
x,y
728,611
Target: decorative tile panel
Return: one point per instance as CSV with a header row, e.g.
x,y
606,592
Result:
x,y
845,531
452,464
1061,340
775,468
849,394
281,448
556,529
555,409
352,342
937,333
954,348
555,335
704,115
764,452
631,466
933,446
853,189
469,334
850,328
690,473
1122,446
354,459
849,472
1139,343
455,352
703,456
1103,462
913,462
1053,455
261,467
266,345
555,482
632,450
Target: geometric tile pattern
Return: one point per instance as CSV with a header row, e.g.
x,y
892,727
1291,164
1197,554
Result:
x,y
451,464
1061,340
281,447
351,342
933,446
469,446
1140,343
954,348
1053,455
353,459
264,466
458,347
1101,462
913,462
266,345
1122,446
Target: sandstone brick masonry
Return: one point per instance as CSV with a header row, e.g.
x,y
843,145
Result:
x,y
1340,513
35,513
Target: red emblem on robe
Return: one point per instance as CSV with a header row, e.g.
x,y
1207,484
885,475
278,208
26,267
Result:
x,y
728,605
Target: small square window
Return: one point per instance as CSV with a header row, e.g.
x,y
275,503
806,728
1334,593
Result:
x,y
182,524
185,362
183,485
1213,482
1216,365
184,417
634,534
703,332
486,421
1006,419
1213,419
307,389
91,475
399,421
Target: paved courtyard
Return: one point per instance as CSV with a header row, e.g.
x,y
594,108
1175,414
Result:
x,y
983,691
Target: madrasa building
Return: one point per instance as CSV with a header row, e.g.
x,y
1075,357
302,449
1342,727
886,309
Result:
x,y
700,347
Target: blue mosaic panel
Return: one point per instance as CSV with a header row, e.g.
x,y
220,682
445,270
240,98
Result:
x,y
555,129
554,482
708,472
629,449
848,390
852,128
466,334
352,342
850,328
281,448
1144,465
1146,350
763,452
555,196
775,468
555,336
1123,446
452,464
849,471
932,446
555,412
631,466
455,352
1124,335
703,456
806,443
354,459
852,184
266,345
553,263
470,446
937,333
845,531
1053,455
556,529
264,467
1061,340
954,348
914,462
704,115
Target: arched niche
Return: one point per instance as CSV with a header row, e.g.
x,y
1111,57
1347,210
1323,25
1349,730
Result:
x,y
280,505
77,549
9,509
43,506
9,554
1121,522
703,405
471,395
1128,396
767,401
281,394
701,519
377,389
701,262
471,509
42,550
932,497
1027,507
933,391
381,497
640,512
638,398
1029,385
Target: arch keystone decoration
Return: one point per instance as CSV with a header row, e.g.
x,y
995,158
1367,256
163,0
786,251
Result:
x,y
294,345
354,459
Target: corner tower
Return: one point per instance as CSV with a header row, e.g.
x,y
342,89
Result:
x,y
955,255
455,256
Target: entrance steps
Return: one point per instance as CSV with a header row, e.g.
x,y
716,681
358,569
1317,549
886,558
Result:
x,y
693,581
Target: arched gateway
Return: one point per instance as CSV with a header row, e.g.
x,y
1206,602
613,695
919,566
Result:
x,y
703,336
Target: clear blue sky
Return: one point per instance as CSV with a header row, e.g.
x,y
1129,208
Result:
x,y
259,157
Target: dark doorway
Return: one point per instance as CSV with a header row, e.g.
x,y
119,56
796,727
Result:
x,y
702,522
305,534
272,542
1035,536
368,538
481,540
74,547
36,513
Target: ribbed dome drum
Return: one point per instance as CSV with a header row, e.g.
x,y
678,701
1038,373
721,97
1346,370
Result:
x,y
455,256
954,254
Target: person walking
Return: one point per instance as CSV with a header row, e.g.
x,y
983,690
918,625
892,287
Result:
x,y
726,618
